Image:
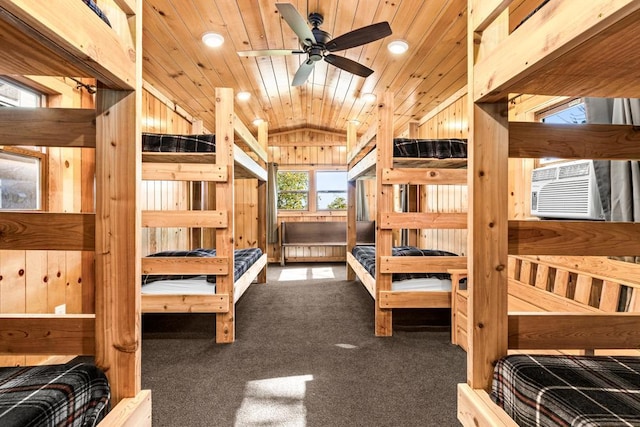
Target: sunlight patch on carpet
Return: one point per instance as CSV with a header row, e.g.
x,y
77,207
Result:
x,y
313,273
349,346
274,401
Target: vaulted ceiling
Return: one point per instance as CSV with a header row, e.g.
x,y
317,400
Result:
x,y
177,62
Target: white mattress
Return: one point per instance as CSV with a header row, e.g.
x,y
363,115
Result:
x,y
427,284
194,286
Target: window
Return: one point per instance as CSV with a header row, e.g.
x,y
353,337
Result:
x,y
20,181
312,190
331,190
21,170
571,112
12,95
293,190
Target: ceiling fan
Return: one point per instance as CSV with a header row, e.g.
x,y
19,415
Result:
x,y
316,43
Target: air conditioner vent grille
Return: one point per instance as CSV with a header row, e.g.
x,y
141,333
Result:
x,y
543,174
565,197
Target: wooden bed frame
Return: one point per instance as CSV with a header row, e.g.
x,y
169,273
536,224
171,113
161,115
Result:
x,y
373,152
228,163
545,55
38,40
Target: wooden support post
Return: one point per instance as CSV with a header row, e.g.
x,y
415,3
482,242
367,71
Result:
x,y
413,193
385,205
262,203
351,202
225,322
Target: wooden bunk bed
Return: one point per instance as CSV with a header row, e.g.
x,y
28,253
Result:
x,y
372,157
221,166
566,48
38,39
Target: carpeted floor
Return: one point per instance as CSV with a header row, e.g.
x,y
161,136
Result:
x,y
305,355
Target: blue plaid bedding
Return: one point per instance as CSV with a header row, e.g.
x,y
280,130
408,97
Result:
x,y
366,255
243,259
75,394
569,390
430,148
94,7
157,142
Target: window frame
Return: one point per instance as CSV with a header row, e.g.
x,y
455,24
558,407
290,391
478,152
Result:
x,y
312,208
307,191
43,184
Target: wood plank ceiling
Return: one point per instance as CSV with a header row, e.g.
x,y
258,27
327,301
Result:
x,y
181,66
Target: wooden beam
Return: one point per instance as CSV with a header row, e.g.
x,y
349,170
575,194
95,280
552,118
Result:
x,y
47,231
408,299
476,409
89,46
420,264
130,412
585,141
363,142
215,303
367,280
244,134
425,176
198,219
70,334
483,12
185,265
48,127
586,238
263,140
183,172
420,220
578,331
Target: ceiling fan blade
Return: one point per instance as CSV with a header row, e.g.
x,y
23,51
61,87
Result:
x,y
270,52
360,36
297,23
348,65
303,73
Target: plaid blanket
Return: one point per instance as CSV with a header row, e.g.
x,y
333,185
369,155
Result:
x,y
242,260
430,148
569,390
94,7
157,142
56,395
366,255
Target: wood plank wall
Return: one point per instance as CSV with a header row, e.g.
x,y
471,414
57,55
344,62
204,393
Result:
x,y
39,281
450,121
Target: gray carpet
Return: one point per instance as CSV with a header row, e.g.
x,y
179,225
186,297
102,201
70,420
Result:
x,y
305,355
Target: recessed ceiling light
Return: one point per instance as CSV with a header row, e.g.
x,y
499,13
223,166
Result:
x,y
243,96
355,122
257,121
212,39
368,97
398,46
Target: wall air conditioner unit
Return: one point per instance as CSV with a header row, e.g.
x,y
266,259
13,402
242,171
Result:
x,y
566,191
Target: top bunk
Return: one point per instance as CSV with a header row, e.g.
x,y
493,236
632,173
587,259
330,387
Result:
x,y
448,153
564,48
69,38
168,156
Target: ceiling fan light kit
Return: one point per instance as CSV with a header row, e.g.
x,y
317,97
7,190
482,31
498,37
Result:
x,y
212,39
398,47
316,43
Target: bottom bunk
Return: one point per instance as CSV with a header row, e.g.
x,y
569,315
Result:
x,y
555,390
197,293
431,289
71,394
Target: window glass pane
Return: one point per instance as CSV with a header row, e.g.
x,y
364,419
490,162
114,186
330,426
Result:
x,y
293,190
19,182
293,181
15,96
333,200
331,180
576,114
